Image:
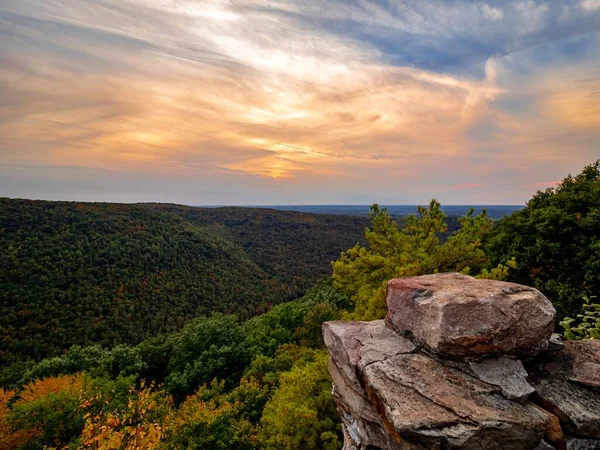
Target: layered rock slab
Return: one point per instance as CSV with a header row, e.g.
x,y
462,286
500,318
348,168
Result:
x,y
391,398
577,408
425,401
458,316
558,391
508,374
353,346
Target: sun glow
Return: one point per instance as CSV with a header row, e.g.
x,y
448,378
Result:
x,y
147,137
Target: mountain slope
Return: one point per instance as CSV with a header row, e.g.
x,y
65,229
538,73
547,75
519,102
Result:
x,y
83,273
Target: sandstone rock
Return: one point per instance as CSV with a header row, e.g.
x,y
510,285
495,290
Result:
x,y
355,344
586,361
354,396
343,347
461,386
423,401
583,444
379,342
553,433
507,373
577,407
455,315
360,433
362,428
575,404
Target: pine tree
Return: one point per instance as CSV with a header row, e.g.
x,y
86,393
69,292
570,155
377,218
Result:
x,y
420,247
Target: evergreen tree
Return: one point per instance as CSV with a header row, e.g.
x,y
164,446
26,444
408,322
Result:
x,y
417,248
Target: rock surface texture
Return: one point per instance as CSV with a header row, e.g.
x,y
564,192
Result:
x,y
459,316
442,371
586,361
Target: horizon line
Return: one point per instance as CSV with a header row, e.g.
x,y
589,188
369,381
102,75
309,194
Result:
x,y
256,205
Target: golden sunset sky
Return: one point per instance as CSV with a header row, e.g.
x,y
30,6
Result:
x,y
286,102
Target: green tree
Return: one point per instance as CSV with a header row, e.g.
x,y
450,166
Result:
x,y
215,419
417,248
310,333
298,321
206,348
47,411
301,413
556,241
108,274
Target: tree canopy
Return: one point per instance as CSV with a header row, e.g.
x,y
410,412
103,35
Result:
x,y
555,241
109,274
421,246
225,381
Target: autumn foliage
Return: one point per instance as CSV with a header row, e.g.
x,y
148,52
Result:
x,y
222,383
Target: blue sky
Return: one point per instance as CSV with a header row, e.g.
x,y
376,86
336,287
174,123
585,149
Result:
x,y
265,101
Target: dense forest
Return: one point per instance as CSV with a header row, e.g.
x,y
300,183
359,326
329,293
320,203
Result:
x,y
86,273
224,381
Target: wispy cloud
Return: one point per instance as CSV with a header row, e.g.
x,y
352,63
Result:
x,y
358,98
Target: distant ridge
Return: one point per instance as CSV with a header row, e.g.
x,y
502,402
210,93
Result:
x,y
494,211
110,273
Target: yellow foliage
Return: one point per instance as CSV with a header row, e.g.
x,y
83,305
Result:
x,y
140,425
301,413
25,415
213,419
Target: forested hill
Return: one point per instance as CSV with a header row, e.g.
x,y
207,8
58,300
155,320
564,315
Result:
x,y
83,273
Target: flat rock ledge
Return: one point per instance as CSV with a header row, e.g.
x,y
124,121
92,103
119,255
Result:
x,y
398,388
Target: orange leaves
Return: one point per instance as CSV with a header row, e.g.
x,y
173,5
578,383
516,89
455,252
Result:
x,y
56,412
39,388
9,437
140,424
41,412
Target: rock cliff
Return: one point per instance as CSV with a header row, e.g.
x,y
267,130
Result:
x,y
461,363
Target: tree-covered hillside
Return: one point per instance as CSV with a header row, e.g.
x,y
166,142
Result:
x,y
222,383
219,383
85,273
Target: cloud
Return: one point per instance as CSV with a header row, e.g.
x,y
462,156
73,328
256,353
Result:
x,y
492,13
361,98
590,5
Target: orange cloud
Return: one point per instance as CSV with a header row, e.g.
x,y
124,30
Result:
x,y
199,87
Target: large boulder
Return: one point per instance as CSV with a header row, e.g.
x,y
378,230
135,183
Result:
x,y
461,317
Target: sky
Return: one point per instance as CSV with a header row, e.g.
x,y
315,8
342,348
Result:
x,y
296,101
